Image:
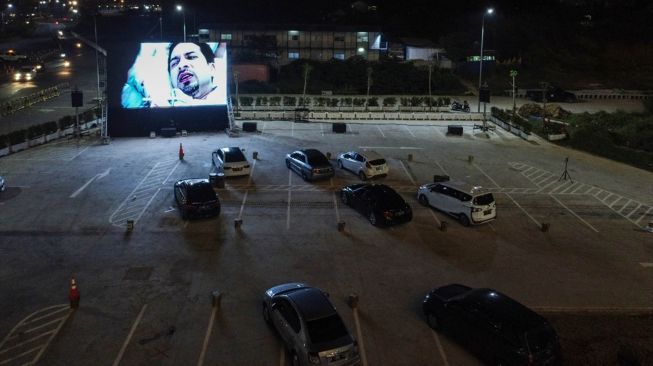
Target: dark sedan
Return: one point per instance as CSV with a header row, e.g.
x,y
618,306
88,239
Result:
x,y
310,164
378,202
493,326
196,197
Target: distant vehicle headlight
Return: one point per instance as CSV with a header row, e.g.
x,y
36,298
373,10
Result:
x,y
78,44
38,67
66,63
62,55
28,76
17,76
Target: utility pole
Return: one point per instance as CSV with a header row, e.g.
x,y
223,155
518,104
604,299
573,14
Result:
x,y
236,75
513,74
307,72
369,83
430,73
545,87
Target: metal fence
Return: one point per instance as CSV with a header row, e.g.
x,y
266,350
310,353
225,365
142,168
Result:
x,y
12,106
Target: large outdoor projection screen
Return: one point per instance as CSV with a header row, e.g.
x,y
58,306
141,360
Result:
x,y
171,75
158,85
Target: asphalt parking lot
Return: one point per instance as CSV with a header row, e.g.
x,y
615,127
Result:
x,y
146,294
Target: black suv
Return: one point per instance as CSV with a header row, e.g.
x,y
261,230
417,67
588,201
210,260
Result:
x,y
493,326
196,197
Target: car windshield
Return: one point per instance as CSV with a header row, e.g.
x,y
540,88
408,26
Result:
x,y
378,162
326,329
485,199
233,156
201,192
26,69
316,158
540,338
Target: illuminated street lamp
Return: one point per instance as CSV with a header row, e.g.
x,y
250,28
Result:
x,y
181,9
489,11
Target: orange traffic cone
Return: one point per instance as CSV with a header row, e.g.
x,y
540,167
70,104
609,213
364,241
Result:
x,y
73,295
181,152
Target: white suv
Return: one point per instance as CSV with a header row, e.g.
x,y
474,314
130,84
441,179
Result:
x,y
366,164
470,204
231,161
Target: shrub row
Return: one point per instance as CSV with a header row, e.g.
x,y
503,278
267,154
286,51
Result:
x,y
32,132
291,101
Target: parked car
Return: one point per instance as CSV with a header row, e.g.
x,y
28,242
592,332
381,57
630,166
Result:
x,y
470,204
366,164
231,161
496,328
309,325
310,164
378,202
3,184
25,73
196,197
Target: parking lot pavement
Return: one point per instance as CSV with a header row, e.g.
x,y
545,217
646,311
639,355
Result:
x,y
146,293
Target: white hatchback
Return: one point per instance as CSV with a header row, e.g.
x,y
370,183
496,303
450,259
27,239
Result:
x,y
470,204
366,164
231,161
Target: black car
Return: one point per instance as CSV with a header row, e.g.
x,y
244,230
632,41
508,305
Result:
x,y
310,164
493,326
196,197
378,202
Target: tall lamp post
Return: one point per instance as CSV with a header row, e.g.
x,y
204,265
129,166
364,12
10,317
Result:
x,y
489,11
181,9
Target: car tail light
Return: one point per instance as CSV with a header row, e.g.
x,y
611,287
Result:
x,y
387,214
313,357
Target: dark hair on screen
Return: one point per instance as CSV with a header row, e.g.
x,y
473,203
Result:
x,y
204,48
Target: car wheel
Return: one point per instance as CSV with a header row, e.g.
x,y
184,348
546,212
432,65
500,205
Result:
x,y
287,164
373,219
362,175
433,321
344,197
464,220
423,200
266,314
340,164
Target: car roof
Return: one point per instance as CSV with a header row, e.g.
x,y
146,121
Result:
x,y
503,309
312,303
193,181
370,154
311,152
232,149
465,187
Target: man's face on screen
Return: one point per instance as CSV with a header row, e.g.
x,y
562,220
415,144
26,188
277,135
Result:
x,y
189,70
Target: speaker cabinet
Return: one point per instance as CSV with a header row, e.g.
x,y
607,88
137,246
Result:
x,y
249,126
455,130
339,127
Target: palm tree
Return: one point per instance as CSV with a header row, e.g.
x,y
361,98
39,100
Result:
x,y
307,71
369,83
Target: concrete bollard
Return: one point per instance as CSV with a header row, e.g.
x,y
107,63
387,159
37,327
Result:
x,y
443,226
216,298
352,300
545,227
470,159
238,223
130,225
152,134
255,155
410,157
341,226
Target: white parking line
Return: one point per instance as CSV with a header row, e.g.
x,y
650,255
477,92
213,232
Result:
x,y
242,205
381,131
406,171
335,205
645,213
624,206
129,336
573,213
282,356
289,190
646,265
79,153
578,188
207,336
321,130
568,188
409,131
434,217
359,335
292,129
36,359
615,201
441,168
549,184
606,197
251,173
526,212
440,348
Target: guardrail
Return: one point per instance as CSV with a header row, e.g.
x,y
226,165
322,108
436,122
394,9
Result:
x,y
12,106
600,94
400,116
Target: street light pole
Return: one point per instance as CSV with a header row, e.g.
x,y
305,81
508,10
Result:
x,y
480,69
183,14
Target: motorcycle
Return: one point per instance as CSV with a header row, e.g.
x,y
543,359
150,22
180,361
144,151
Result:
x,y
457,106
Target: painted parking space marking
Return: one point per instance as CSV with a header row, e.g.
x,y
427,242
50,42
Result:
x,y
359,337
95,177
51,152
28,340
573,213
407,172
440,348
135,204
335,206
288,208
207,336
573,184
409,131
646,265
628,208
129,336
